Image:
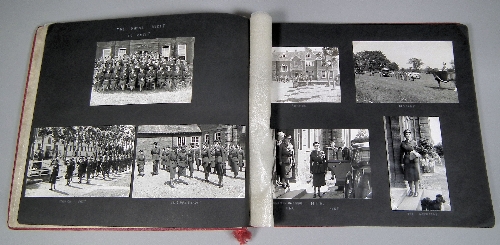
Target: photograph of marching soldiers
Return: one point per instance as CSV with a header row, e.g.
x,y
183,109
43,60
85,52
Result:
x,y
305,74
190,161
322,163
80,161
417,171
404,72
143,71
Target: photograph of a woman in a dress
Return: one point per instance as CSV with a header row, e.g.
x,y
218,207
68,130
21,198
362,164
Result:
x,y
318,167
410,162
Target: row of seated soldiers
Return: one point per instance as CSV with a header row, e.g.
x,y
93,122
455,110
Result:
x,y
211,157
91,167
141,72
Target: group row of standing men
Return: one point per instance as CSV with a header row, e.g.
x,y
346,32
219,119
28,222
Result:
x,y
178,159
90,167
141,71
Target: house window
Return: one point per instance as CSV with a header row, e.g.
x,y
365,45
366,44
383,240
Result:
x,y
181,141
309,63
106,53
308,55
49,140
181,51
121,52
207,138
323,74
165,51
217,136
195,140
284,68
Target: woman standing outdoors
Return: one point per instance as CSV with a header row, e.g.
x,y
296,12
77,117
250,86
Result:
x,y
54,173
317,166
409,160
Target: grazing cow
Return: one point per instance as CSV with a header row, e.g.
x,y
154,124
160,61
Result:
x,y
443,76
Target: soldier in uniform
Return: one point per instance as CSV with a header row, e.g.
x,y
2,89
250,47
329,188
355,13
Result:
x,y
155,156
182,162
162,77
132,79
187,76
106,158
233,160
141,160
54,173
172,164
89,168
70,168
141,78
107,79
151,78
190,161
205,155
219,158
286,159
123,78
164,159
82,167
241,157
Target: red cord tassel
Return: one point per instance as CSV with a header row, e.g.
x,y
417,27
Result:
x,y
242,235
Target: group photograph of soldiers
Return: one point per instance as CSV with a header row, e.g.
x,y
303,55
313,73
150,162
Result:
x,y
305,74
321,163
190,161
80,161
143,72
404,72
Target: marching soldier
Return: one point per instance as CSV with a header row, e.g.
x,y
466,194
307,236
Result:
x,y
241,157
141,161
234,160
182,162
172,164
70,168
82,167
219,157
164,159
190,161
89,168
205,155
155,156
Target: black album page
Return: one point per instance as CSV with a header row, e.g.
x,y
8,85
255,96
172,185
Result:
x,y
376,125
140,122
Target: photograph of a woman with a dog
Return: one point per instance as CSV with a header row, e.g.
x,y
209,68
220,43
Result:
x,y
417,169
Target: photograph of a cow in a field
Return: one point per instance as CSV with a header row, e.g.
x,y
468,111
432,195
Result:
x,y
404,72
444,77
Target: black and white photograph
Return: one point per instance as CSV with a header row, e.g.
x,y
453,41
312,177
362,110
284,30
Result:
x,y
322,163
80,161
146,71
416,162
190,161
305,75
404,72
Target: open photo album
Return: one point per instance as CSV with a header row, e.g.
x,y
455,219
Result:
x,y
218,121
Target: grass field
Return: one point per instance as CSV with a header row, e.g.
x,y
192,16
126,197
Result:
x,y
376,89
